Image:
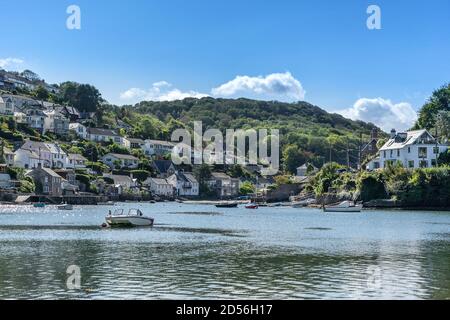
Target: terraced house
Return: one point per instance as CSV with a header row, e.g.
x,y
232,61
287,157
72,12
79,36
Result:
x,y
106,135
120,161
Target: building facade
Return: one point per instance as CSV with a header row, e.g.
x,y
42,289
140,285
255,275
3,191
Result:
x,y
114,160
160,187
413,149
47,181
184,184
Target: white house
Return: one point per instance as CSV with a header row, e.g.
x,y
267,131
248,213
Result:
x,y
106,135
79,129
122,183
136,143
125,160
413,149
26,159
55,122
6,106
223,184
184,183
76,161
159,187
50,154
59,156
35,119
157,147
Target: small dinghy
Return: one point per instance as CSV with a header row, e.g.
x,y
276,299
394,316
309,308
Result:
x,y
251,206
345,206
134,218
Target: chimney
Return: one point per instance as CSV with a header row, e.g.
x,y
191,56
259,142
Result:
x,y
374,134
393,133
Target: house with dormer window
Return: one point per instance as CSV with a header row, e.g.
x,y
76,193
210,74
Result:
x,y
413,149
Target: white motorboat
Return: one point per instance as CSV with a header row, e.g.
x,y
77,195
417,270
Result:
x,y
134,218
65,207
345,206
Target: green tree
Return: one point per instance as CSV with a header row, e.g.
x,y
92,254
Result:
x,y
443,124
84,97
41,93
439,101
247,188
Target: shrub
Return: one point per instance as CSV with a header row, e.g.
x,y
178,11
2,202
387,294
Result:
x,y
371,187
141,175
247,188
27,185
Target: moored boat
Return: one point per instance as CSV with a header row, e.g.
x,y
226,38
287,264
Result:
x,y
227,205
65,207
345,206
39,205
251,206
134,218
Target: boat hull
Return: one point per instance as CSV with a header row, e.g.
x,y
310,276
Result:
x,y
337,209
228,205
129,221
65,207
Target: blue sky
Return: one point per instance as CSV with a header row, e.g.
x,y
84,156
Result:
x,y
320,51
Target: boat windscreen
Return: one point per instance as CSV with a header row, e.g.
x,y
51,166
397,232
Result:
x,y
118,212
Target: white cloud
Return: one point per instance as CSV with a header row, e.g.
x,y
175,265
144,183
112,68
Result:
x,y
276,86
383,113
160,91
10,63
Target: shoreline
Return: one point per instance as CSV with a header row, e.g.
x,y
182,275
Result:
x,y
241,202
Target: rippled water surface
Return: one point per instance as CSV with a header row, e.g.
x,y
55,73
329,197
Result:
x,y
199,251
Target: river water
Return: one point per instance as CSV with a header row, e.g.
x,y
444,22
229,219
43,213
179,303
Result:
x,y
202,252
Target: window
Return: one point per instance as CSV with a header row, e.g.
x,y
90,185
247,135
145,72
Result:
x,y
411,164
409,149
392,153
433,162
384,154
436,150
398,152
423,163
422,152
376,165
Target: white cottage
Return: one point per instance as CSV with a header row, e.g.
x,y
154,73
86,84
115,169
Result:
x,y
413,149
160,187
184,183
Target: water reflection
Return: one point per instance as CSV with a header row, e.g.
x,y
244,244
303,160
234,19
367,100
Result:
x,y
232,255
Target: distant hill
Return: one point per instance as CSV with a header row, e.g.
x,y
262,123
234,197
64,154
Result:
x,y
308,132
